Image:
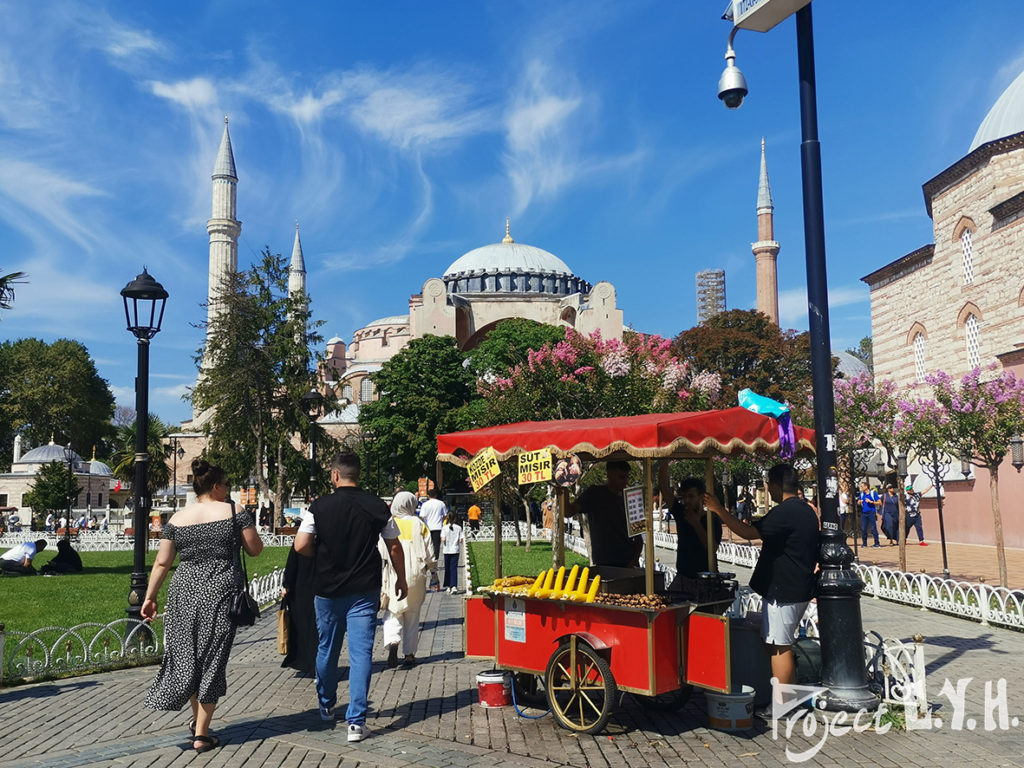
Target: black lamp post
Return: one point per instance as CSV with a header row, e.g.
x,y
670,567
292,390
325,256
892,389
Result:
x,y
69,453
313,402
839,617
177,452
936,470
144,301
965,464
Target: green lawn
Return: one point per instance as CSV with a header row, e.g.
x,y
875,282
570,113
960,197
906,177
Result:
x,y
98,594
516,561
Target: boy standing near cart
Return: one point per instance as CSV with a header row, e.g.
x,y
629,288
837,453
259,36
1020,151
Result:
x,y
784,574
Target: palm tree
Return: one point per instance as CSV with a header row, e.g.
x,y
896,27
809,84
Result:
x,y
159,474
7,288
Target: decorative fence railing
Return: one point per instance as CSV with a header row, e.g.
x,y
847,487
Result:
x,y
100,541
94,646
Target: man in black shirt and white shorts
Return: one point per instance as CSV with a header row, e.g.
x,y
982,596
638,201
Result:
x,y
784,575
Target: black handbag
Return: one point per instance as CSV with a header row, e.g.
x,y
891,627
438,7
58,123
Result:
x,y
243,610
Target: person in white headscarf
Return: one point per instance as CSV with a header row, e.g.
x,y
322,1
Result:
x,y
402,617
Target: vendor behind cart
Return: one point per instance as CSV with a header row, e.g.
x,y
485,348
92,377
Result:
x,y
605,510
784,574
691,525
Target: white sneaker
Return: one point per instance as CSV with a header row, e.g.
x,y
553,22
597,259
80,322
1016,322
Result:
x,y
358,732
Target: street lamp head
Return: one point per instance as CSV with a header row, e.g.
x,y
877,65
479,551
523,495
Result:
x,y
1017,452
144,301
312,401
965,464
732,86
901,464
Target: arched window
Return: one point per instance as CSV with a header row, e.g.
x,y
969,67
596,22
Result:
x,y
346,392
919,343
971,333
366,390
967,251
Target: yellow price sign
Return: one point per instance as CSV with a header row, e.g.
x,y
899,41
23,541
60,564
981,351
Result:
x,y
535,466
483,468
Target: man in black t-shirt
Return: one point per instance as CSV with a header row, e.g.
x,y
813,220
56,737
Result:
x,y
605,509
341,530
691,525
784,574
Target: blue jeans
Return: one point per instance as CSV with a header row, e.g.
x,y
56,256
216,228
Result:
x,y
866,521
915,522
357,614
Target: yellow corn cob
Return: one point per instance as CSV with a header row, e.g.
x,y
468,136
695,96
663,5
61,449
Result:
x,y
536,584
570,585
593,589
581,589
549,579
559,580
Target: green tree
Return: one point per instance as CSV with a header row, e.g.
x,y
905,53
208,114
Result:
x,y
7,283
748,350
863,352
985,409
250,392
508,344
158,475
52,489
52,390
421,391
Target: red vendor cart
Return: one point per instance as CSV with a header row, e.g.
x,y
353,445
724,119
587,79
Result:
x,y
582,654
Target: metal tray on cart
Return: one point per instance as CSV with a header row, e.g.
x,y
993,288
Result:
x,y
625,581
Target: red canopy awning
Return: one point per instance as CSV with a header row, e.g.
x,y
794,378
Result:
x,y
677,435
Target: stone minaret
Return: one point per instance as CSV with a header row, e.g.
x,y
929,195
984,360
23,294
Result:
x,y
766,250
222,227
297,270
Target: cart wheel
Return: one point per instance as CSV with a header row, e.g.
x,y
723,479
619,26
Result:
x,y
580,687
668,702
529,690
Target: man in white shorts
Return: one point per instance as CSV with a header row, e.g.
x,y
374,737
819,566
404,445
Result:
x,y
784,575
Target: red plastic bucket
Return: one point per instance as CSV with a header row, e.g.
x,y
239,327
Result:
x,y
495,688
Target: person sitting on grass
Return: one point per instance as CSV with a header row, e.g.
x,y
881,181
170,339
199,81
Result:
x,y
67,560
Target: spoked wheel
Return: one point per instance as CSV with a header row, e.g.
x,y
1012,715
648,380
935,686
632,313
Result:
x,y
529,690
580,687
667,702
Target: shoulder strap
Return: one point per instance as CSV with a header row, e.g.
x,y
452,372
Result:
x,y
239,554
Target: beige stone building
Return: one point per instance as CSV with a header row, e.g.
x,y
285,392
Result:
x,y
958,302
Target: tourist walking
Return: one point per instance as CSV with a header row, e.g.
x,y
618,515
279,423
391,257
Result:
x,y
869,504
451,545
197,629
913,514
402,614
341,529
891,515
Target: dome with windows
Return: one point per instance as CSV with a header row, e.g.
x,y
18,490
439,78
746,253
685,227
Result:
x,y
511,267
1006,116
30,461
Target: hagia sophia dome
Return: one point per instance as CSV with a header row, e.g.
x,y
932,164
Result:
x,y
1006,116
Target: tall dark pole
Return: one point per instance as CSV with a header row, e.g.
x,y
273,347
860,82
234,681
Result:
x,y
71,489
139,582
938,474
312,459
174,480
839,586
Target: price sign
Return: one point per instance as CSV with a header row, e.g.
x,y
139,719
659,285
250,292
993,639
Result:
x,y
535,466
636,518
482,469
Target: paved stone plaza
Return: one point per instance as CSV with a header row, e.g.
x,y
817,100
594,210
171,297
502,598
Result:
x,y
429,715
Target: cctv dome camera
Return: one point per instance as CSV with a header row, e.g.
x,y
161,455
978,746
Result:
x,y
732,86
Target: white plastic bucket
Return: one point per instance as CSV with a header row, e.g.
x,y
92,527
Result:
x,y
495,688
731,711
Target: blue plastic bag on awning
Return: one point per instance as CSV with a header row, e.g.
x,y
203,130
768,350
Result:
x,y
779,411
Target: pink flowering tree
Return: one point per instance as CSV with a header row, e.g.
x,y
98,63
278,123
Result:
x,y
584,377
985,409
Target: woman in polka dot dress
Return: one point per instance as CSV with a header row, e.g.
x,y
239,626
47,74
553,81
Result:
x,y
197,631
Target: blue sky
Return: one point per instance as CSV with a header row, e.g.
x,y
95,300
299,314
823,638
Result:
x,y
400,135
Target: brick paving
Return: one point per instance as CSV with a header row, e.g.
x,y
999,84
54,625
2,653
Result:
x,y
429,716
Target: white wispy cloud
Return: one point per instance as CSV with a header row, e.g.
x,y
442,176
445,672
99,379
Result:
x,y
50,201
793,302
195,95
